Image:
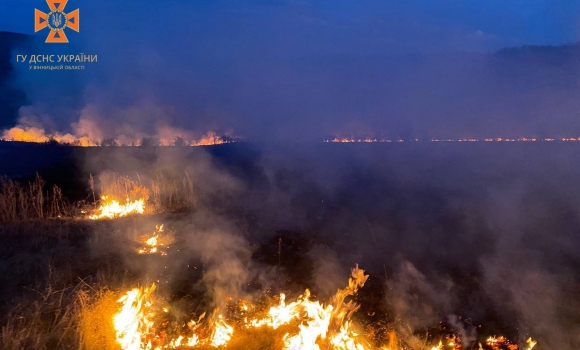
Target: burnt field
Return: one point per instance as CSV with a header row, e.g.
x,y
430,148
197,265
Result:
x,y
461,242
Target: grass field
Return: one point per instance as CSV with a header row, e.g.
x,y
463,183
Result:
x,y
474,248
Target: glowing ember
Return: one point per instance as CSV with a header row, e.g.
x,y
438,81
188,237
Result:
x,y
111,208
497,343
154,243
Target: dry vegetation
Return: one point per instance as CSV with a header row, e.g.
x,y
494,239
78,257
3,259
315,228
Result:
x,y
61,287
61,280
70,318
32,201
160,192
35,199
52,294
44,303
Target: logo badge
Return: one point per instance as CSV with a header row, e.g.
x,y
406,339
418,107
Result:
x,y
57,21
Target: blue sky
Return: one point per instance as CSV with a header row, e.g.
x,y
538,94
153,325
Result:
x,y
368,25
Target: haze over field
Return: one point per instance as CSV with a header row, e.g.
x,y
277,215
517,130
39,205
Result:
x,y
306,71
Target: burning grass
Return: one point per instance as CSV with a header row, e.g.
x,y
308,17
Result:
x,y
119,196
142,321
311,324
166,137
124,195
100,312
156,243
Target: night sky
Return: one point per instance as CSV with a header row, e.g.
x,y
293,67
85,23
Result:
x,y
306,70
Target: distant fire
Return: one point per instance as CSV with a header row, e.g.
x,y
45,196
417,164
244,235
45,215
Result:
x,y
38,135
173,138
496,139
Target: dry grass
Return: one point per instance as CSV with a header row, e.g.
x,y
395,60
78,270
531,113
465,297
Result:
x,y
36,200
78,318
171,193
31,201
43,302
50,322
96,330
160,192
122,187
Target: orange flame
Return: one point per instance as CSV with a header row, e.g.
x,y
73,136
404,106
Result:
x,y
155,242
488,139
134,321
111,208
167,137
319,326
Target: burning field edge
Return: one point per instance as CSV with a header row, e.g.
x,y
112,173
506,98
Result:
x,y
129,298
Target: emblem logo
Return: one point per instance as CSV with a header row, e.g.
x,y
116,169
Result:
x,y
57,21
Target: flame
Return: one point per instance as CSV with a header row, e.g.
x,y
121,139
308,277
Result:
x,y
222,333
281,314
34,134
29,134
438,347
166,136
531,343
134,325
111,208
154,243
309,324
134,322
328,324
501,342
488,139
211,138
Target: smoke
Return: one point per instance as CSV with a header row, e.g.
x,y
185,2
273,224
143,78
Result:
x,y
328,273
476,238
225,257
479,237
455,234
223,68
528,271
418,300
